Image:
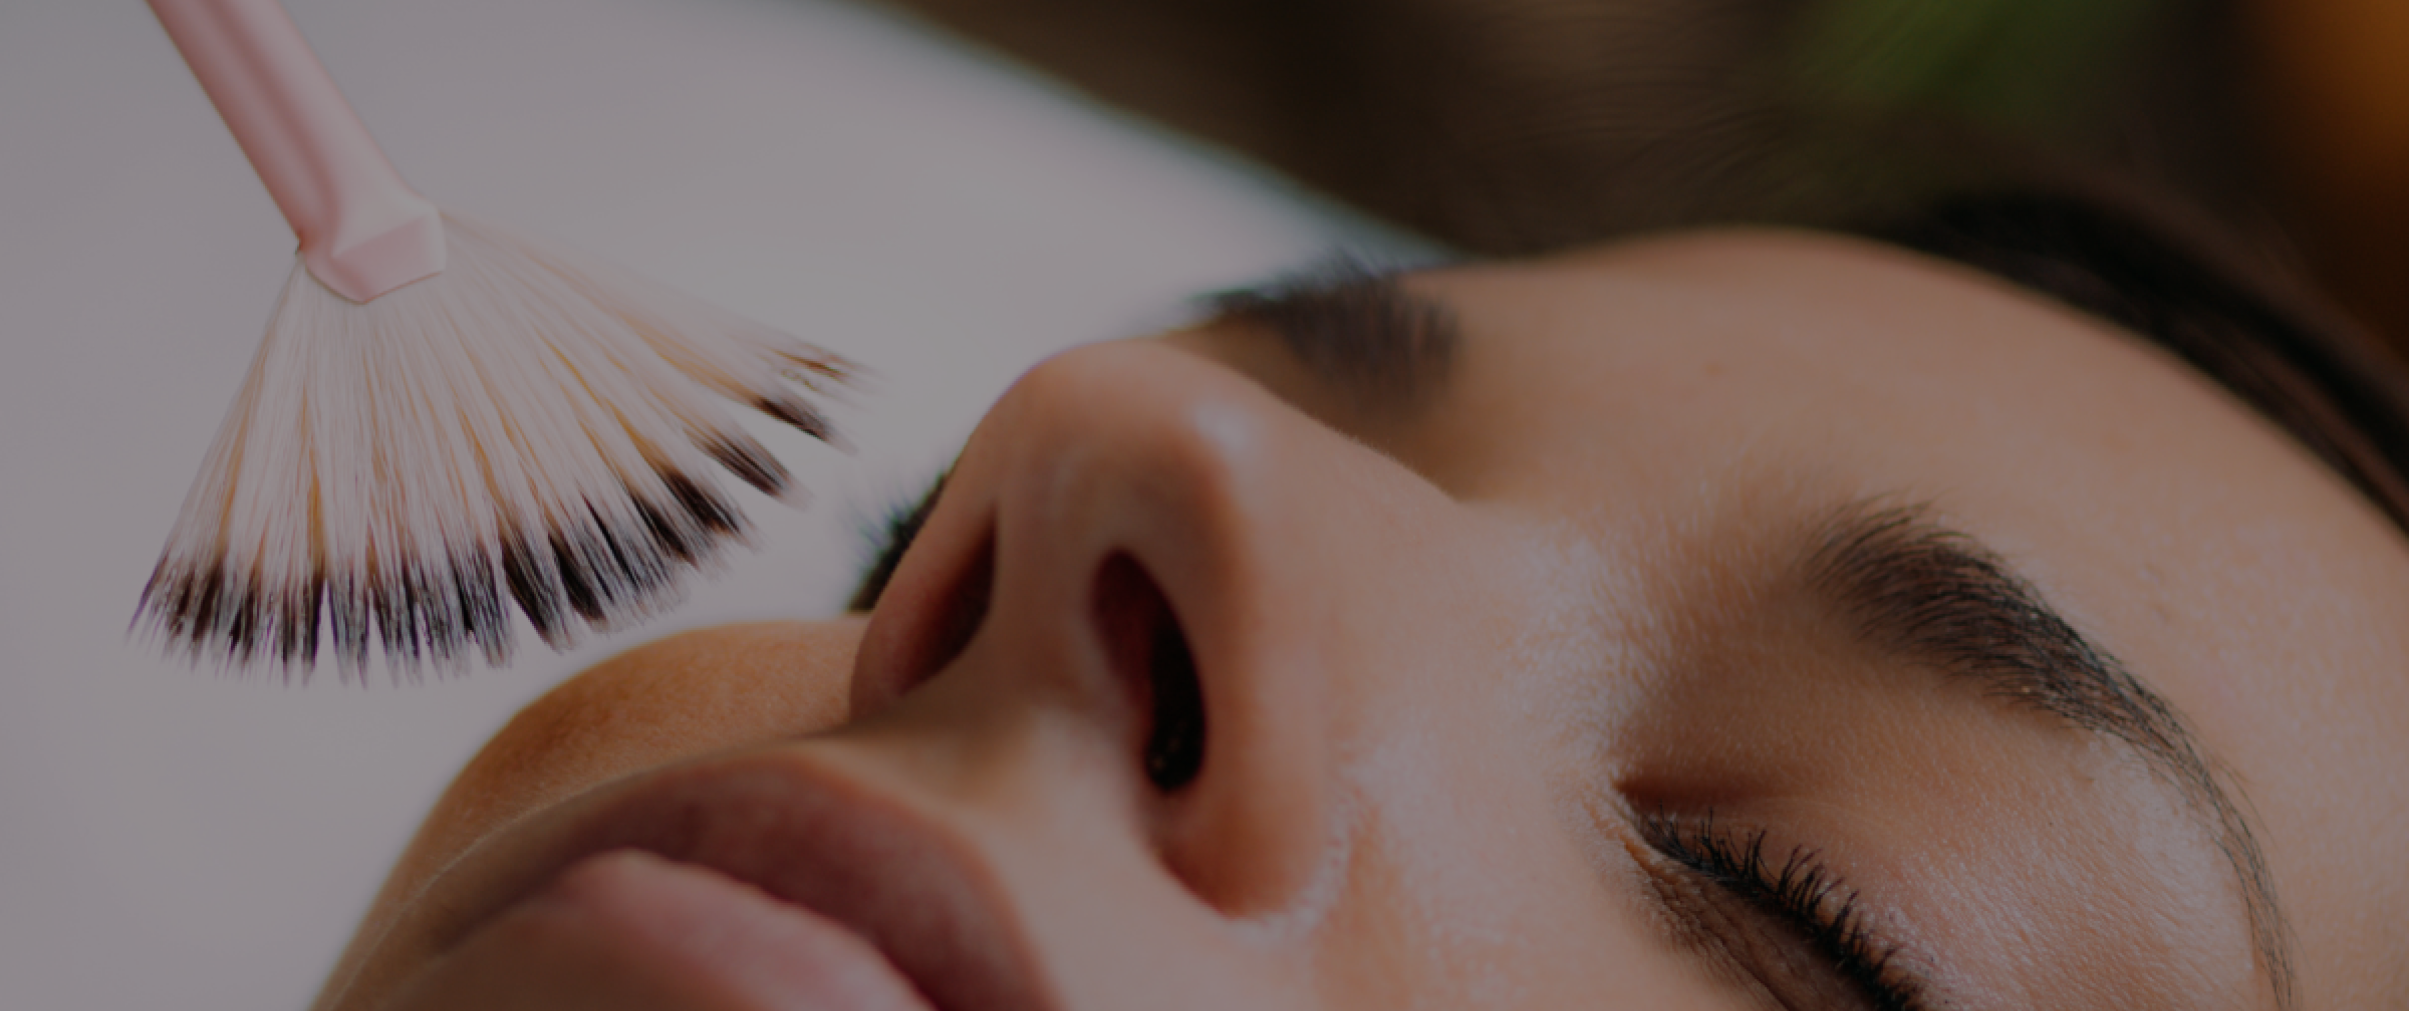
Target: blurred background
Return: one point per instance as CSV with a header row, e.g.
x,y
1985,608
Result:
x,y
945,190
1509,126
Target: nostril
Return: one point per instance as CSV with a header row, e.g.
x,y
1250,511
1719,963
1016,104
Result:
x,y
1176,741
1147,647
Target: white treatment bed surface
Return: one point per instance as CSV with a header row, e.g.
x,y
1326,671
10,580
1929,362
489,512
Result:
x,y
174,839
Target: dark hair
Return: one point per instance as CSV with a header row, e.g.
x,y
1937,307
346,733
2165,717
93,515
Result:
x,y
2328,385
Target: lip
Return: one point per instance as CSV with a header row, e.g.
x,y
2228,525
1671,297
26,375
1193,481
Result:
x,y
786,823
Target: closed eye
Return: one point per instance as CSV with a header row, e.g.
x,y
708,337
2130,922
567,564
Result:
x,y
1844,958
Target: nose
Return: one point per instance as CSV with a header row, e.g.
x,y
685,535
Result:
x,y
1121,595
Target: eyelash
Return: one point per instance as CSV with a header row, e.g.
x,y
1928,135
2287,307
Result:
x,y
1800,889
885,539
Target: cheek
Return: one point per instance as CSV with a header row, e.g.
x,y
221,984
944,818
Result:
x,y
692,694
1474,877
1468,889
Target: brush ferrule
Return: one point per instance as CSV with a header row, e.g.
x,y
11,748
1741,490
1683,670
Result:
x,y
381,260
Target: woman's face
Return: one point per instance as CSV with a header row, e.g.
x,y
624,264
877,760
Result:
x,y
1730,621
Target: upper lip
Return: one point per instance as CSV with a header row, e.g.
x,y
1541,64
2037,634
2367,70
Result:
x,y
800,830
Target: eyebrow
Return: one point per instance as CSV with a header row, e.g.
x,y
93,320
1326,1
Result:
x,y
1924,591
1357,329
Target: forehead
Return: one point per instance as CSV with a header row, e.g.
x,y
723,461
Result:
x,y
1679,398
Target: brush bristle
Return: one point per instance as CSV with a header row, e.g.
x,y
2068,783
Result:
x,y
524,427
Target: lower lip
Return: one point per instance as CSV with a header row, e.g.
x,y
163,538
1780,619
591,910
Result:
x,y
721,941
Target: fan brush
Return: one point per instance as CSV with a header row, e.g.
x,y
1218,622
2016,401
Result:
x,y
446,417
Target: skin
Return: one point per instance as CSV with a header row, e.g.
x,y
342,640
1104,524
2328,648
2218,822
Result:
x,y
1425,792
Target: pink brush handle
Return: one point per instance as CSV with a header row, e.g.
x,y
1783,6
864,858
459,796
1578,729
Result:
x,y
363,231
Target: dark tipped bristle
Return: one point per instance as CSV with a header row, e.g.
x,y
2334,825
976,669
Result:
x,y
202,616
664,532
444,589
248,621
574,582
628,576
488,625
347,600
623,569
150,587
433,615
535,588
301,624
795,411
193,589
239,622
172,588
648,561
288,624
384,600
705,505
410,618
747,460
395,608
414,619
